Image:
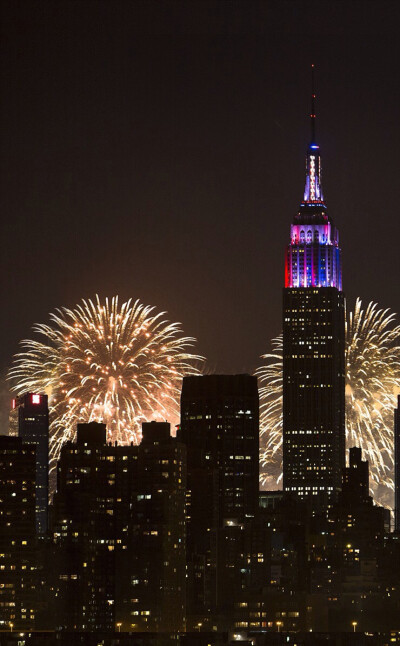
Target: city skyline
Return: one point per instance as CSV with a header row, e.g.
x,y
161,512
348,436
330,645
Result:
x,y
212,364
158,481
159,179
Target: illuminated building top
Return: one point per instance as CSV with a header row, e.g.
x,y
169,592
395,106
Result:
x,y
313,255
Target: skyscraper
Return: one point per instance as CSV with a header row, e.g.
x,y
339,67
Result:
x,y
83,527
397,466
119,532
220,428
17,534
313,345
158,533
29,419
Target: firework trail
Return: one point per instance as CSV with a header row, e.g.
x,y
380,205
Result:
x,y
372,384
121,365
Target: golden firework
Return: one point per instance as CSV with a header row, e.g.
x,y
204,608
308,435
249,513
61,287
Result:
x,y
372,384
101,361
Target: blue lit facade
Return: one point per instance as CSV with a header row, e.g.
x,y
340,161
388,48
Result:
x,y
313,254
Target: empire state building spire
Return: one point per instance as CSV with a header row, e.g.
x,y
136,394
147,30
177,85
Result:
x,y
313,188
313,97
313,346
313,256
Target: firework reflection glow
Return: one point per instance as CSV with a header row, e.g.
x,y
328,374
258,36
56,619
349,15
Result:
x,y
118,364
372,385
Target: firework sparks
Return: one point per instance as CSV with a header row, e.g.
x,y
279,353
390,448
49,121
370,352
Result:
x,y
121,365
372,384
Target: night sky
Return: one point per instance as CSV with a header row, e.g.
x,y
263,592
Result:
x,y
156,150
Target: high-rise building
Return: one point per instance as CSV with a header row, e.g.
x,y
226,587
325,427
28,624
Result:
x,y
90,528
313,346
220,428
29,419
355,479
17,534
158,533
358,526
397,466
119,532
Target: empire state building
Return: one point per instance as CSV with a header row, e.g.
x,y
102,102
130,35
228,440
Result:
x,y
313,346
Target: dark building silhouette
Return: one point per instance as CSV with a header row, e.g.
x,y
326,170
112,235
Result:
x,y
119,532
358,535
355,479
313,346
242,556
359,524
323,571
158,533
220,428
93,493
397,466
29,419
17,534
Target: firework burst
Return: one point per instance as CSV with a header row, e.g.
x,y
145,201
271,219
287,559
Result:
x,y
121,365
372,383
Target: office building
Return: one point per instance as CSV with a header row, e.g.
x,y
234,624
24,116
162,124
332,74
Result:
x,y
220,428
359,525
119,532
313,346
90,529
158,533
17,534
29,419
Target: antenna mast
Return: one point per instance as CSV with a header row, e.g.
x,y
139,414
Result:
x,y
312,115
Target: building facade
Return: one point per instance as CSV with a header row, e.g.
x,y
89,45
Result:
x,y
83,530
220,429
17,535
158,533
29,420
313,346
119,533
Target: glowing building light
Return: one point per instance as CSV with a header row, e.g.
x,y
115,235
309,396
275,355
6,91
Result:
x,y
313,255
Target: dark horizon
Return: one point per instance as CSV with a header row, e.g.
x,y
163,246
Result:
x,y
157,152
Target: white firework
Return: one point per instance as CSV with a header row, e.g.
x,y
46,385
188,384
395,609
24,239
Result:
x,y
372,384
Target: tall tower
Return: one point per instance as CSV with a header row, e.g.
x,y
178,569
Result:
x,y
158,528
220,428
29,419
313,345
18,597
